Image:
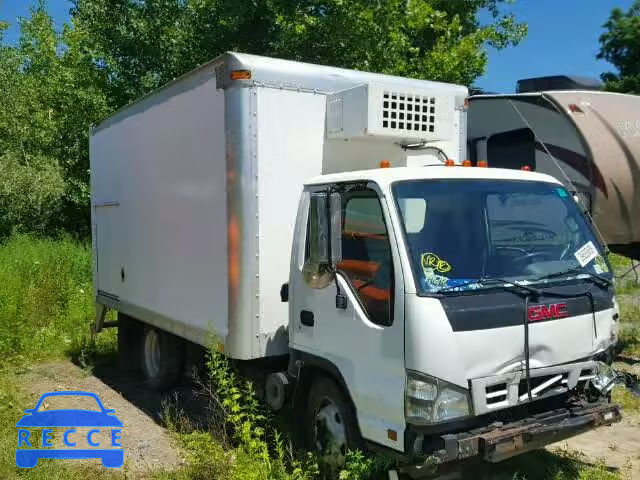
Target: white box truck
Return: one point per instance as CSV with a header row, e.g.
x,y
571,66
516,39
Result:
x,y
422,309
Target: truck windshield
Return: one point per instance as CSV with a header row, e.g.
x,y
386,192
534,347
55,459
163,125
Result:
x,y
458,231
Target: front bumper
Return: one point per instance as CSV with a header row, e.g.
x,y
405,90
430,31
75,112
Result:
x,y
499,441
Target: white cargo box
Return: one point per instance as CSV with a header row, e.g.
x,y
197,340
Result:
x,y
195,191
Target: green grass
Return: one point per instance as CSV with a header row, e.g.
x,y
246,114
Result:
x,y
629,333
629,403
46,308
626,284
559,464
46,301
628,295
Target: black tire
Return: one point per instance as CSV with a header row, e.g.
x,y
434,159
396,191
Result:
x,y
162,369
325,390
129,340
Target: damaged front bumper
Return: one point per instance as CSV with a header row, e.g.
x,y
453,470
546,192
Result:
x,y
498,442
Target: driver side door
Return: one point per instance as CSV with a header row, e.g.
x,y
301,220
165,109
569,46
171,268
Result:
x,y
364,340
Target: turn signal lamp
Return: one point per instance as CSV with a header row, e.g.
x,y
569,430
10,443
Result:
x,y
526,168
467,163
240,74
449,163
482,164
385,164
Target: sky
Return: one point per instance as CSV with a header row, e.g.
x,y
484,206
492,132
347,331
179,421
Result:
x,y
563,38
10,10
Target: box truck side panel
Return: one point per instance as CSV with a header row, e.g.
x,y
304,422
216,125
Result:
x,y
290,143
166,248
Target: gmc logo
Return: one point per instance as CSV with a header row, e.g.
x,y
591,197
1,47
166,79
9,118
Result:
x,y
547,312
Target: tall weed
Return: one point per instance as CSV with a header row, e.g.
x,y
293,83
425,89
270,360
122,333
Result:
x,y
46,304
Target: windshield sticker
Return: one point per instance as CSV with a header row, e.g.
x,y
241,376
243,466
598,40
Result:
x,y
600,265
431,261
586,253
434,282
562,192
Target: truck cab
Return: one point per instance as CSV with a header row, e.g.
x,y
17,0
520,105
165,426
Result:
x,y
443,299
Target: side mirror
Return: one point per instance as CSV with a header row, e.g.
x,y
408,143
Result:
x,y
319,229
325,232
335,207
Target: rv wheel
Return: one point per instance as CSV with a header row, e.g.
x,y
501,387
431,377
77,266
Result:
x,y
162,358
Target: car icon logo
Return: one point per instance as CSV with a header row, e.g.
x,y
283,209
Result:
x,y
29,451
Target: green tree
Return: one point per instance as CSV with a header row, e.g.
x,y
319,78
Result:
x,y
145,43
51,93
55,84
620,46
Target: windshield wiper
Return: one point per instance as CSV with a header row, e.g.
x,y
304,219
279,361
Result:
x,y
575,270
505,284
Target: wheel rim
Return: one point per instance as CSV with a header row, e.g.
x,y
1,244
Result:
x,y
152,353
329,432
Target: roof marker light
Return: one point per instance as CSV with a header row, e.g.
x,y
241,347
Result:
x,y
482,164
385,164
573,108
526,168
467,163
449,163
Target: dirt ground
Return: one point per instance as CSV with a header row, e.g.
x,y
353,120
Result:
x,y
148,445
617,444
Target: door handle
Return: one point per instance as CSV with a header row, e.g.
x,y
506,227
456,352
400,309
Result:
x,y
306,318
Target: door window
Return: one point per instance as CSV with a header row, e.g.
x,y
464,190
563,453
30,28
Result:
x,y
366,254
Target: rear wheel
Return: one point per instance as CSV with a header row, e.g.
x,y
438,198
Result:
x,y
162,358
331,425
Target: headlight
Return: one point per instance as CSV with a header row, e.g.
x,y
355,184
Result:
x,y
429,400
604,379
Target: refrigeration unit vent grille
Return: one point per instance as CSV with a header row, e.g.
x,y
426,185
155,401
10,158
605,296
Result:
x,y
392,112
408,112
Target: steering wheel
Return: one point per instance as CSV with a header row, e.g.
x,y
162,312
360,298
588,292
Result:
x,y
571,247
526,255
516,249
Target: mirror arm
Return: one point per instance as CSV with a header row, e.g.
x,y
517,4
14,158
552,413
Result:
x,y
341,299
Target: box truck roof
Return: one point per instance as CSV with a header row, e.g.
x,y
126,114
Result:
x,y
282,73
289,75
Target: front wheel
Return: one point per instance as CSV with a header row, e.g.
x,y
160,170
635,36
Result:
x,y
331,425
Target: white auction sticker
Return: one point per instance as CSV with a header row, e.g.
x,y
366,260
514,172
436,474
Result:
x,y
586,253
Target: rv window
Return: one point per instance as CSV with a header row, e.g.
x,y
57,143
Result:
x,y
513,149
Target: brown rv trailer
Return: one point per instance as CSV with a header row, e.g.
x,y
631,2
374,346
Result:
x,y
589,140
